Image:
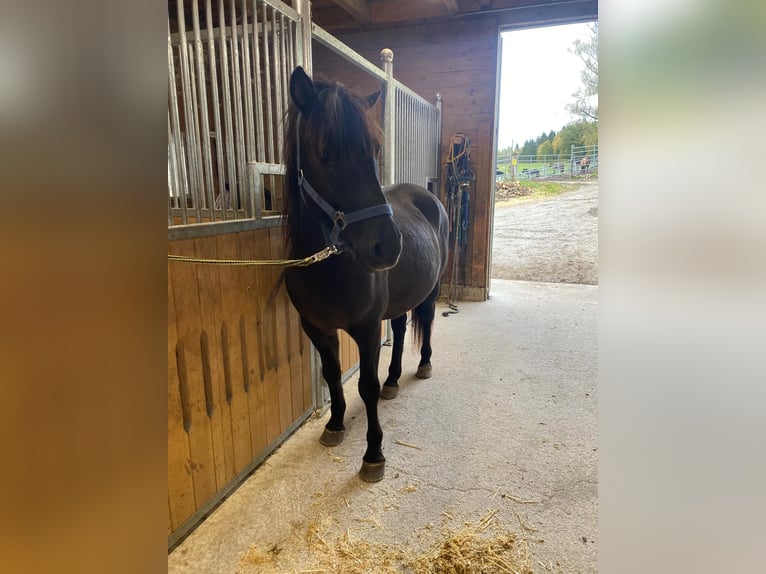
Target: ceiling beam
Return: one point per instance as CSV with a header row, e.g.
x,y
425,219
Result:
x,y
359,10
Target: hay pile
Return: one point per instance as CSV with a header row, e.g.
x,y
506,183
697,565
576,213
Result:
x,y
505,190
485,547
470,549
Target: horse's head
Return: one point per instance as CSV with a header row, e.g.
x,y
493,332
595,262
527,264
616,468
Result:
x,y
332,144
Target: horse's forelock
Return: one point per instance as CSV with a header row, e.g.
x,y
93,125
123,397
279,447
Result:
x,y
343,122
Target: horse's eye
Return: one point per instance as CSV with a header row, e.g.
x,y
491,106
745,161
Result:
x,y
325,158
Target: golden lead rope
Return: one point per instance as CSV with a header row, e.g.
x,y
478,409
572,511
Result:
x,y
305,262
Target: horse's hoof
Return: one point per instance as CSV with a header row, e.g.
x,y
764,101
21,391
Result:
x,y
424,371
332,437
389,392
372,471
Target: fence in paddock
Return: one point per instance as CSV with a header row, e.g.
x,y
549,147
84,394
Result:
x,y
241,373
580,161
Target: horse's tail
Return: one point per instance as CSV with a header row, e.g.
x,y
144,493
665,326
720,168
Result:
x,y
418,326
423,316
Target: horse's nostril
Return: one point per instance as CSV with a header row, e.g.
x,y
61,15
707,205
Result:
x,y
377,250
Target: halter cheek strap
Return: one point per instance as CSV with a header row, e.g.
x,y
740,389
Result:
x,y
339,219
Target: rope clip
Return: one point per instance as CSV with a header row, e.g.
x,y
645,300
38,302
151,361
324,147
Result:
x,y
324,254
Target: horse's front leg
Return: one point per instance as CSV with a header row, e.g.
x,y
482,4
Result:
x,y
326,342
367,337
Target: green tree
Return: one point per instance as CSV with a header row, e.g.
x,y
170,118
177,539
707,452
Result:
x,y
545,148
576,133
529,147
585,105
590,134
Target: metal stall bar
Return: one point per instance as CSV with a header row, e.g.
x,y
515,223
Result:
x,y
227,141
257,96
304,37
221,168
249,149
173,180
267,73
389,117
179,164
186,88
207,159
279,58
240,175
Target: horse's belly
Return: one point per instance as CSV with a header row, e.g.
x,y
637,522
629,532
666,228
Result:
x,y
408,286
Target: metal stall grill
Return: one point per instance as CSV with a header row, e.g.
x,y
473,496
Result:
x,y
416,133
228,70
413,132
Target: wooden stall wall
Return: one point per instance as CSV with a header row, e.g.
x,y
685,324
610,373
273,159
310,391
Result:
x,y
239,367
459,60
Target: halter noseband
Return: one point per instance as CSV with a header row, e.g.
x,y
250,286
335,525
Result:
x,y
339,219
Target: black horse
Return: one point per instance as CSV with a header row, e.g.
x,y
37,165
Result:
x,y
388,248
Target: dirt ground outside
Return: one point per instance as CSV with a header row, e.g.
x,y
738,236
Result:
x,y
553,240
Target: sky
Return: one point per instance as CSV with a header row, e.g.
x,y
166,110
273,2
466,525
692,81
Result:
x,y
538,77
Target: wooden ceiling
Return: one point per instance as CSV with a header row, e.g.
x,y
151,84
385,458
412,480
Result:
x,y
348,15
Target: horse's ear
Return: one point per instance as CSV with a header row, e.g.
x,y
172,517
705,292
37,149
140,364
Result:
x,y
372,98
302,90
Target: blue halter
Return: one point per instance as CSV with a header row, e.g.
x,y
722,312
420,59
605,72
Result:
x,y
339,219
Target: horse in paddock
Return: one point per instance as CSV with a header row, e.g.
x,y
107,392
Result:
x,y
389,248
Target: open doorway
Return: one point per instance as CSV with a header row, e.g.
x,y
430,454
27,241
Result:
x,y
545,222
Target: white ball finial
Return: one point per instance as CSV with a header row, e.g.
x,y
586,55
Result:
x,y
387,55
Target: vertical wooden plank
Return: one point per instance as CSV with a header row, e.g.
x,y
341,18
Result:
x,y
294,335
180,484
283,364
219,410
231,281
197,423
250,290
266,317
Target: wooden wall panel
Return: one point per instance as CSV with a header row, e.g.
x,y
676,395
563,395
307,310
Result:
x,y
239,366
181,496
196,422
234,355
250,283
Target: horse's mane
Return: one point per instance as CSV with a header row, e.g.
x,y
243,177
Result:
x,y
339,122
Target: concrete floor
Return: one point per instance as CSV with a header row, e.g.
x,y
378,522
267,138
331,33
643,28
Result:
x,y
507,423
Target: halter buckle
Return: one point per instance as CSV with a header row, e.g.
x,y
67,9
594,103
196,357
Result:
x,y
339,219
